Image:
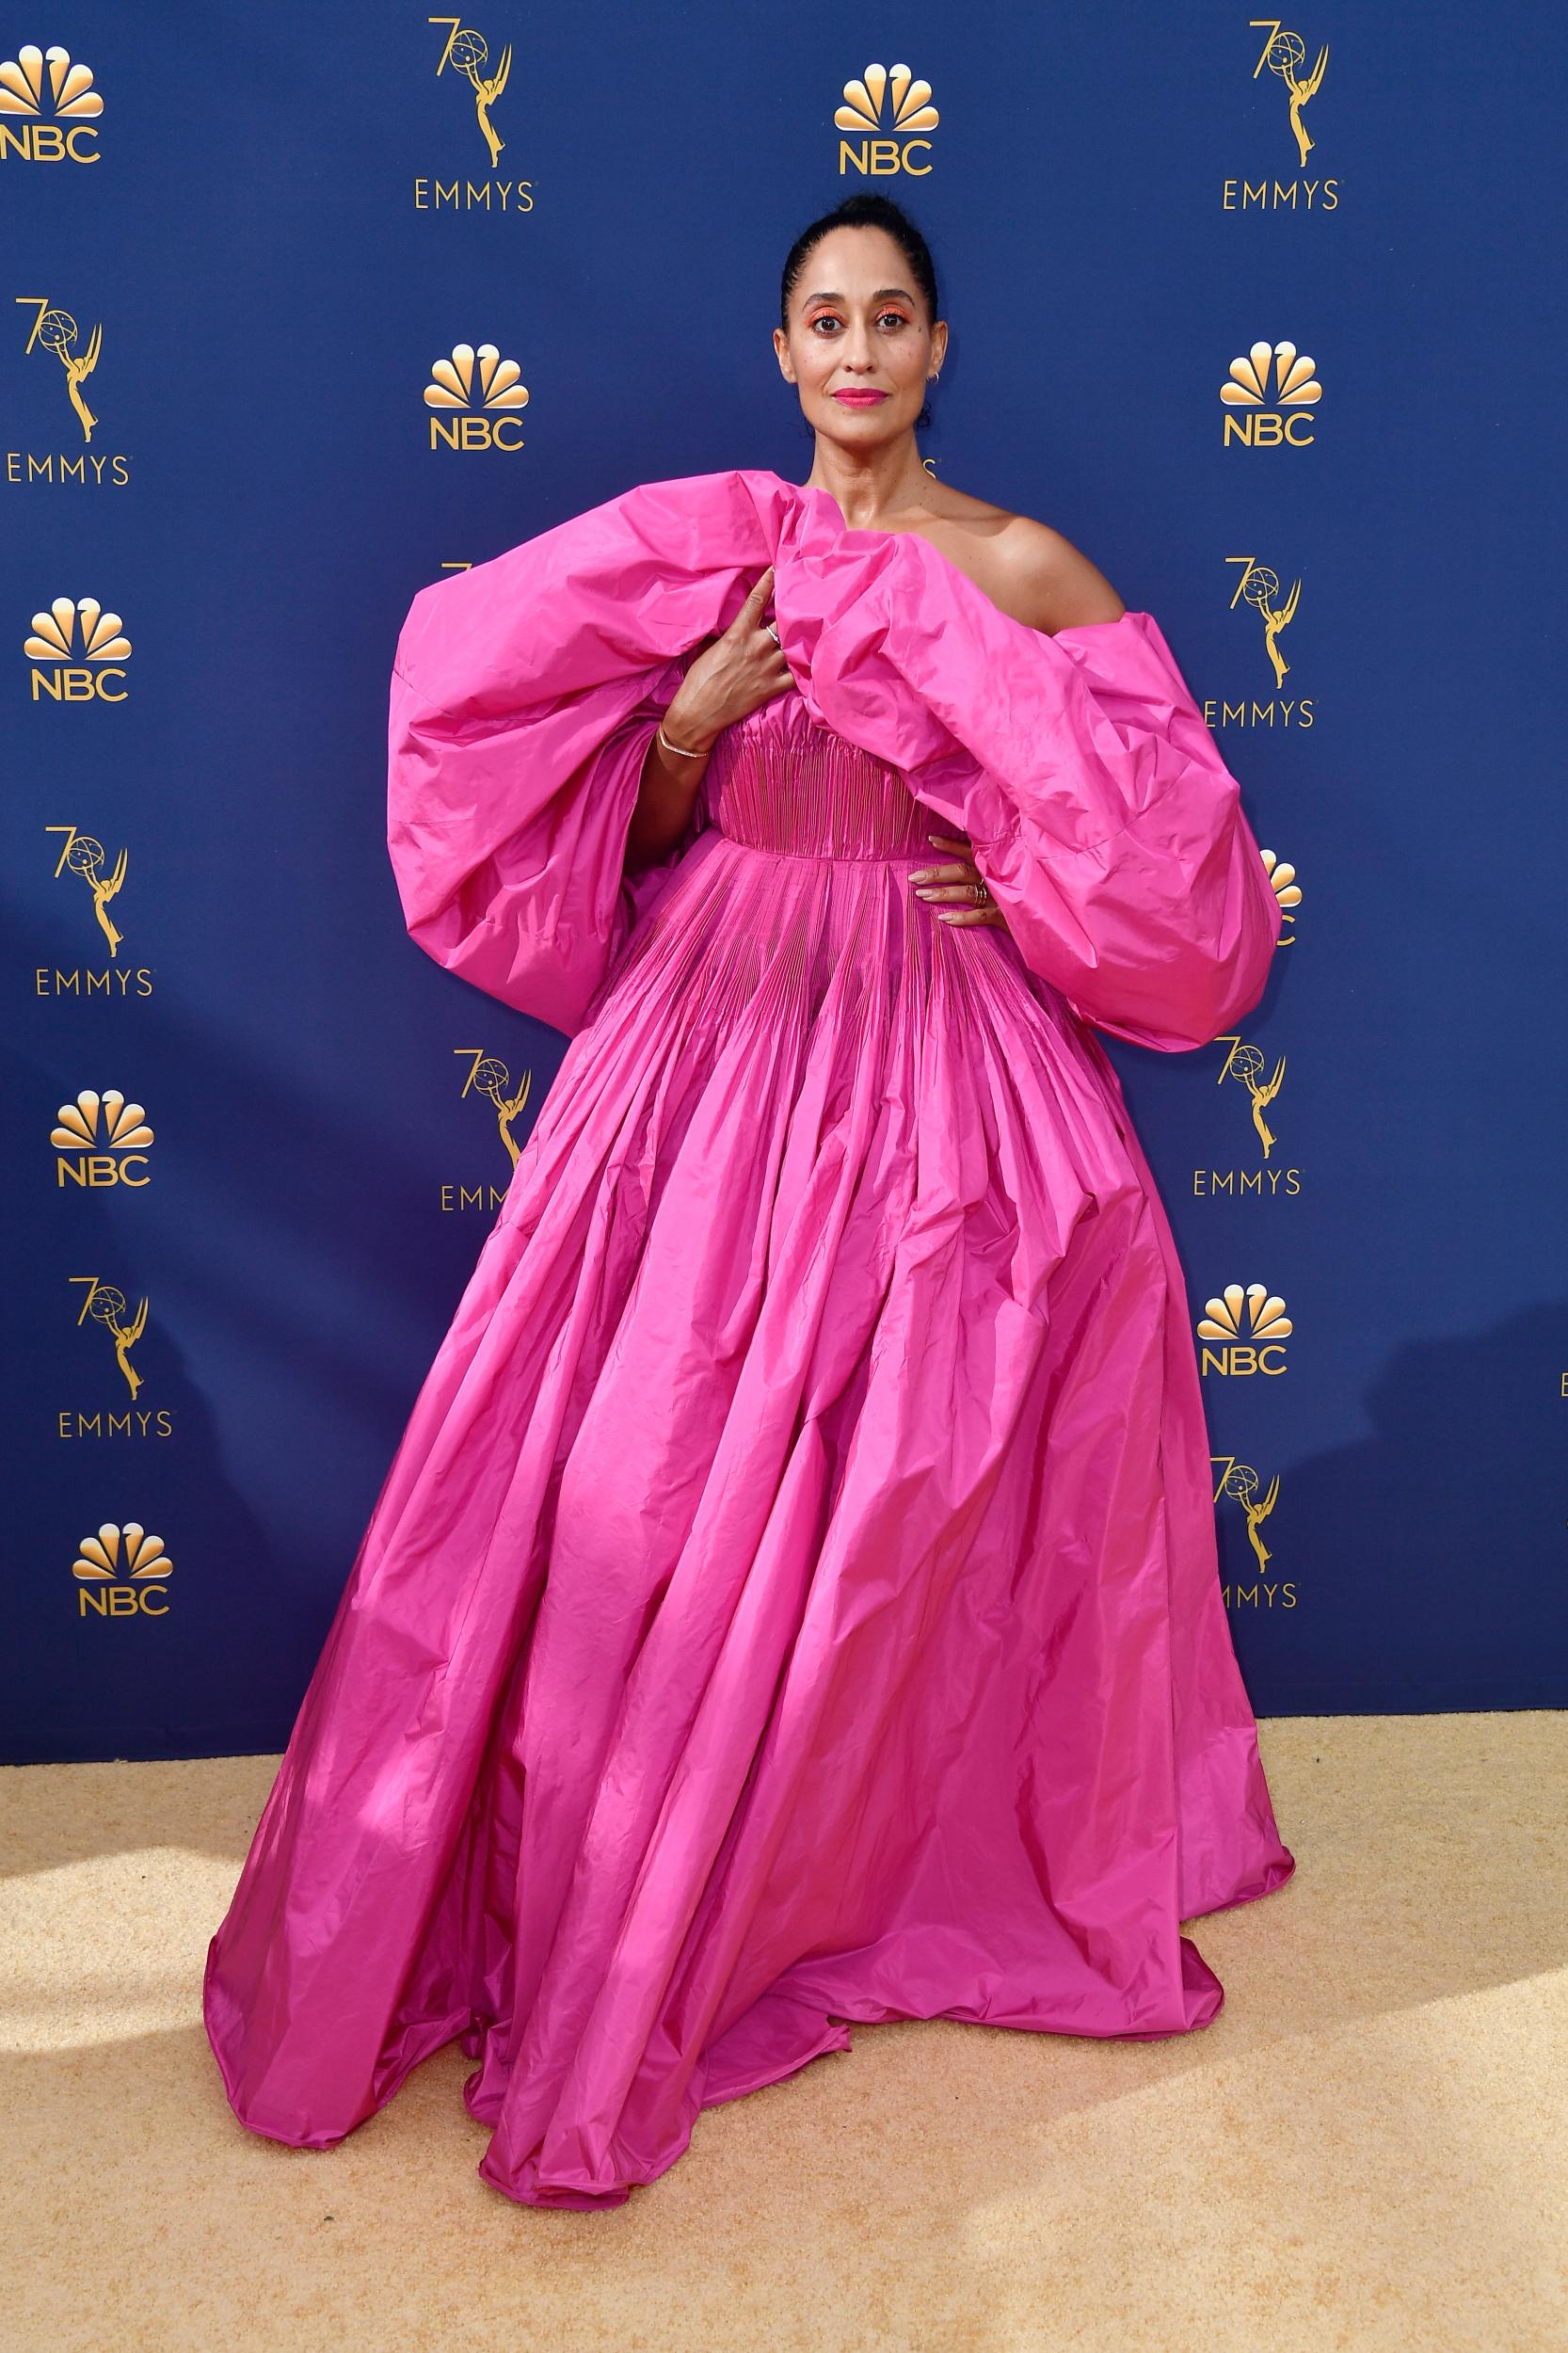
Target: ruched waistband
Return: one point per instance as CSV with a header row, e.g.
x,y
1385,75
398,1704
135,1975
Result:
x,y
801,791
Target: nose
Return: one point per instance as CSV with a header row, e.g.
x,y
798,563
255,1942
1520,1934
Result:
x,y
856,350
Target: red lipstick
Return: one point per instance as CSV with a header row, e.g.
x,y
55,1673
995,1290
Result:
x,y
862,398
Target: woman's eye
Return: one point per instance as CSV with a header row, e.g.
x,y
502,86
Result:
x,y
830,318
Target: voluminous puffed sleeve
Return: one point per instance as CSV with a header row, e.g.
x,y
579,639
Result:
x,y
1127,873
524,693
1104,820
508,840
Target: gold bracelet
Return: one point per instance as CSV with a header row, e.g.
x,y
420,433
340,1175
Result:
x,y
679,750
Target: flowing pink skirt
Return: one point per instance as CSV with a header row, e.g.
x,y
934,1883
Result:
x,y
793,1600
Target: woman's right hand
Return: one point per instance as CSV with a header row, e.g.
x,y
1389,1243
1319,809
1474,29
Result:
x,y
729,676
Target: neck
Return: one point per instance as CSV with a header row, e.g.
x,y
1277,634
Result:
x,y
873,485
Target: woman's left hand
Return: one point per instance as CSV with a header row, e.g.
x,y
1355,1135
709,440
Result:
x,y
957,883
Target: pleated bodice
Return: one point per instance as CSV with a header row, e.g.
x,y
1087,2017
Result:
x,y
780,781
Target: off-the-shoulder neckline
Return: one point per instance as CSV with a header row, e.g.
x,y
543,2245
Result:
x,y
806,491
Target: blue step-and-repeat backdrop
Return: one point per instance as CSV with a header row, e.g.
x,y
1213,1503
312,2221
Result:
x,y
305,306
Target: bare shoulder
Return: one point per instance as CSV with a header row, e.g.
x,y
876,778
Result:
x,y
1030,571
1043,579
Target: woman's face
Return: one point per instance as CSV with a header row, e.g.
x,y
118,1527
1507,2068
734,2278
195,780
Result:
x,y
860,347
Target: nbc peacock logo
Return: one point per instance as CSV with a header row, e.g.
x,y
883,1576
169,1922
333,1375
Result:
x,y
882,121
1266,395
1288,890
123,1572
474,399
78,652
49,109
1295,378
100,1141
1244,1330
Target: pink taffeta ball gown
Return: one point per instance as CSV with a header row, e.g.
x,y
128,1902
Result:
x,y
793,1600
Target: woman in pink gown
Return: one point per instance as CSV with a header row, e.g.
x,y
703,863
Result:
x,y
793,1600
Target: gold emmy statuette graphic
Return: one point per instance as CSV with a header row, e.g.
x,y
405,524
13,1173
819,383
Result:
x,y
85,856
1294,388
101,1140
57,640
56,331
71,102
1251,1324
1241,1483
1245,1065
888,107
466,52
105,1306
1284,55
485,389
1260,587
491,1078
1288,891
122,1573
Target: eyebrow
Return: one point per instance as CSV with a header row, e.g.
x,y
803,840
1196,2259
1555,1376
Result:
x,y
880,296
